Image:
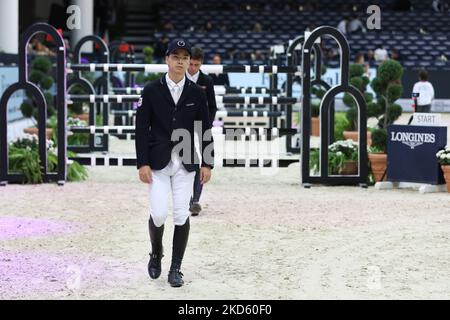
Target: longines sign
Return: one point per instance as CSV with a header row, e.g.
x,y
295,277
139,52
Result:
x,y
412,153
413,139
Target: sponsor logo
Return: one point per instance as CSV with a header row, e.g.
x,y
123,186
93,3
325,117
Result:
x,y
412,139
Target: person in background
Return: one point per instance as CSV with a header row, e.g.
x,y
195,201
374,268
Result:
x,y
395,55
355,25
160,49
423,93
206,83
381,54
342,26
219,79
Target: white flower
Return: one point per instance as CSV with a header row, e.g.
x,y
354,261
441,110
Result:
x,y
443,156
448,156
439,153
339,153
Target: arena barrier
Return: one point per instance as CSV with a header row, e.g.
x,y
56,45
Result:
x,y
304,71
24,84
325,109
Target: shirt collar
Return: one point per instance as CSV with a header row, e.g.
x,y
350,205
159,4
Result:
x,y
172,84
193,78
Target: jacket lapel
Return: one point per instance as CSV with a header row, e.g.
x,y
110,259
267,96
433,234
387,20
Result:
x,y
201,78
166,92
184,95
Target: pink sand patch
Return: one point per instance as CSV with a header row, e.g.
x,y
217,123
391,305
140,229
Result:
x,y
45,275
19,227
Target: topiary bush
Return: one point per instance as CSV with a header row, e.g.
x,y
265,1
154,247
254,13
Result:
x,y
387,86
360,82
41,75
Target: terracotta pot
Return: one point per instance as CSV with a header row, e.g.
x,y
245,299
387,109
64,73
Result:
x,y
378,163
353,135
35,131
446,171
349,168
82,117
315,127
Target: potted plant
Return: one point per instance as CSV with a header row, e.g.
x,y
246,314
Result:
x,y
41,75
443,157
24,159
342,158
387,86
360,82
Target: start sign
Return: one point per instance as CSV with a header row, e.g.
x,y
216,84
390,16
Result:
x,y
426,119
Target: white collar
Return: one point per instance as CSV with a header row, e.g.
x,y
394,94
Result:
x,y
172,84
193,78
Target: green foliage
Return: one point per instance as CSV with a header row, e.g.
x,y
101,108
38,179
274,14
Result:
x,y
387,86
76,108
76,172
314,160
352,118
338,153
40,75
25,162
348,100
315,110
390,71
366,81
393,113
47,83
379,138
368,97
27,109
42,64
340,125
143,78
318,92
360,82
394,92
356,70
148,55
373,109
36,77
24,159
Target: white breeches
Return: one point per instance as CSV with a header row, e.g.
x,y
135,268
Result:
x,y
176,180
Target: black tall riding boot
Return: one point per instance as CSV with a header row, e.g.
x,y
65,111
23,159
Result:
x,y
156,236
180,240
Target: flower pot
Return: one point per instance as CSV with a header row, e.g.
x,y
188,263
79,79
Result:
x,y
378,163
349,168
446,171
82,117
35,131
353,135
315,126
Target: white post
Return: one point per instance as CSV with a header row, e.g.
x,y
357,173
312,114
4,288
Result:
x,y
9,26
86,22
